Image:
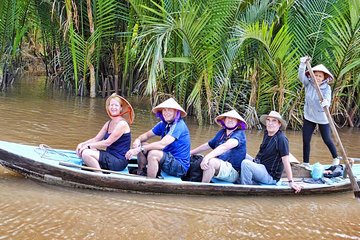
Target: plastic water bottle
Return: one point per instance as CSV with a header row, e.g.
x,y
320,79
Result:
x,y
317,171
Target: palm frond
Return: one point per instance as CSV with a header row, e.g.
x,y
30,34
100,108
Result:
x,y
307,23
343,37
106,17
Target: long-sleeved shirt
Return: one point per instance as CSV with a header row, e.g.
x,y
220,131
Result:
x,y
312,110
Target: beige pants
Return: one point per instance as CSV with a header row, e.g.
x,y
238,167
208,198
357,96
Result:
x,y
227,172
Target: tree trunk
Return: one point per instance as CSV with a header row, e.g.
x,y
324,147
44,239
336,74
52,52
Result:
x,y
91,51
116,70
1,76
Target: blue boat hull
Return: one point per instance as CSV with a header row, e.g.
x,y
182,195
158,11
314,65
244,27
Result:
x,y
32,163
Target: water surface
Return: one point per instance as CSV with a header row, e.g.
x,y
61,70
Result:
x,y
33,210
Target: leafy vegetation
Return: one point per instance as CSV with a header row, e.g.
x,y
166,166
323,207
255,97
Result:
x,y
211,55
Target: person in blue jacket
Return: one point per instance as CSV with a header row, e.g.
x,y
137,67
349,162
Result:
x,y
313,109
108,148
228,149
171,153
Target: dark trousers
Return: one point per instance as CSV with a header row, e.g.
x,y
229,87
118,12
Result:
x,y
308,129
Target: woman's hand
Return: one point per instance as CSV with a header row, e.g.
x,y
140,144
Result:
x,y
325,103
136,143
78,149
304,59
132,152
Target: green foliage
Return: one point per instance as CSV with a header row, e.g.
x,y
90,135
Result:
x,y
343,35
307,21
211,55
13,27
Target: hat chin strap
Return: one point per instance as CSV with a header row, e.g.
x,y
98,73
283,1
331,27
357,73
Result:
x,y
325,81
176,119
120,114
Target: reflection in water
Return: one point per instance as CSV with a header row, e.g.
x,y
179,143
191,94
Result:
x,y
29,209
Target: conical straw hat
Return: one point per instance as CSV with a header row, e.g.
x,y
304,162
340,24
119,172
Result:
x,y
127,111
321,68
170,103
232,114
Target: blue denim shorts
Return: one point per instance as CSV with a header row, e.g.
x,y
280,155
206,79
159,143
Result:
x,y
110,162
171,166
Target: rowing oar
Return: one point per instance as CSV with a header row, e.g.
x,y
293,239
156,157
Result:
x,y
354,184
68,164
354,159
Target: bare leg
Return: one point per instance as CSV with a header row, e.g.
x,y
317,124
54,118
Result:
x,y
154,157
214,167
142,162
91,158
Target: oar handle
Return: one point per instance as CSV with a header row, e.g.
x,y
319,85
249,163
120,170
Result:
x,y
354,184
68,164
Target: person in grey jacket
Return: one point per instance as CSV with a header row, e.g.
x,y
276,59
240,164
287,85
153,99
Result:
x,y
313,110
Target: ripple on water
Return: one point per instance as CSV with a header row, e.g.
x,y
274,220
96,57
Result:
x,y
35,210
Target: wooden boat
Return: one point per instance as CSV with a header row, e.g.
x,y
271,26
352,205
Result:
x,y
63,167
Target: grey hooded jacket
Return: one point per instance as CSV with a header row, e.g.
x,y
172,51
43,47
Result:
x,y
313,111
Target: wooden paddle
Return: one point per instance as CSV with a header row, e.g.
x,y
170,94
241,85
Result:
x,y
68,164
354,184
354,159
